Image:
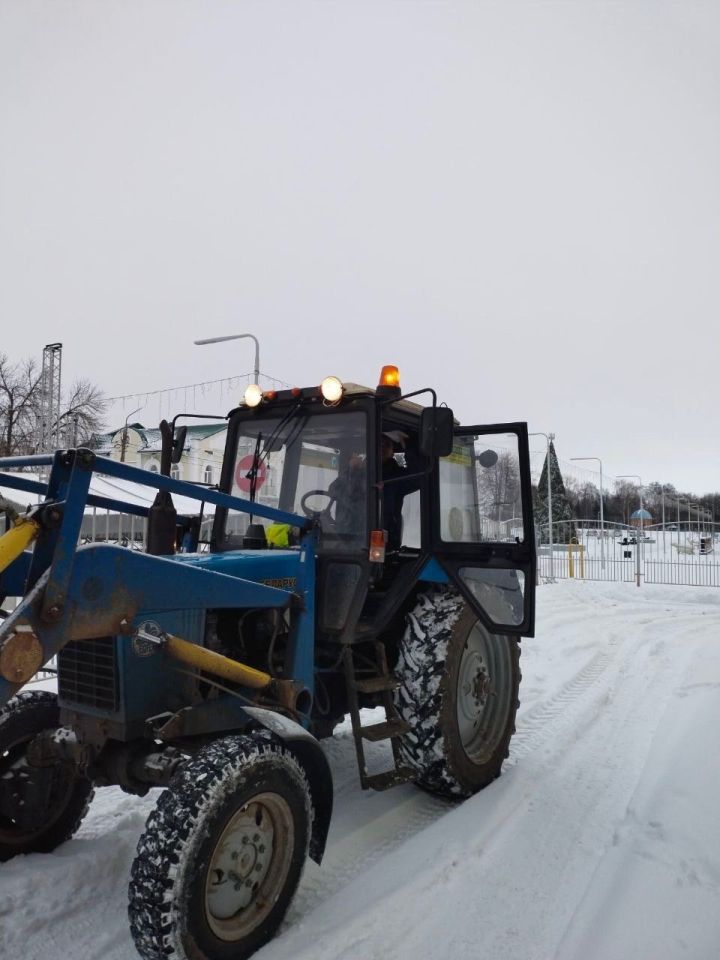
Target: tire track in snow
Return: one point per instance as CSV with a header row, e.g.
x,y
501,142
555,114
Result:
x,y
539,724
349,854
544,721
365,829
571,709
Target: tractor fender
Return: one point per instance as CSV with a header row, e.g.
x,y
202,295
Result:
x,y
306,749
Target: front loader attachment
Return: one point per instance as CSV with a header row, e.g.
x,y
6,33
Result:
x,y
76,592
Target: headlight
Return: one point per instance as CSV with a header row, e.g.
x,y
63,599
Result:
x,y
331,389
253,395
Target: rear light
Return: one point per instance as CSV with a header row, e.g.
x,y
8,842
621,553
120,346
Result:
x,y
269,395
377,546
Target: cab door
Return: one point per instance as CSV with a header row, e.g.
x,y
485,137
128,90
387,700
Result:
x,y
482,524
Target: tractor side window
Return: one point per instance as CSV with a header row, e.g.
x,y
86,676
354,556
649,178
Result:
x,y
480,494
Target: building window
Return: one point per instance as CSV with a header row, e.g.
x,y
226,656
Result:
x,y
175,471
208,473
153,468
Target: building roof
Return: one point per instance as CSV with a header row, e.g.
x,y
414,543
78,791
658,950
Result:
x,y
641,515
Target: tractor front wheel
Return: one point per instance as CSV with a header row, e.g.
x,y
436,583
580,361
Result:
x,y
458,691
40,807
222,853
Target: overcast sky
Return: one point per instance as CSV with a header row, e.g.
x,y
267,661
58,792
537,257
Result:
x,y
518,203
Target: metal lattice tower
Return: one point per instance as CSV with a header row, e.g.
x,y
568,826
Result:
x,y
48,428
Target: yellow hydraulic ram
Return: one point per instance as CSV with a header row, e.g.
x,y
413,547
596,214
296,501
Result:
x,y
18,538
215,663
210,662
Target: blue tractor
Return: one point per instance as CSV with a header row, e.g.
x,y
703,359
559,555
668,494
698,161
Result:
x,y
366,551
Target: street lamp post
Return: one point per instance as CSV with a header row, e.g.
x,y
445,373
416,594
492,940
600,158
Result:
x,y
697,515
123,444
549,437
635,476
238,336
602,515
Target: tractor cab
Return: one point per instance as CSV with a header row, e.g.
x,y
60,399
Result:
x,y
399,493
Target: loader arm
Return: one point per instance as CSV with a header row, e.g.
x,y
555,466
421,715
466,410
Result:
x,y
81,592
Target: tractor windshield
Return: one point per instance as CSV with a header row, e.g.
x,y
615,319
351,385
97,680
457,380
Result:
x,y
312,465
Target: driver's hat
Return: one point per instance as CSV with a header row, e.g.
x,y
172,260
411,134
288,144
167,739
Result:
x,y
397,437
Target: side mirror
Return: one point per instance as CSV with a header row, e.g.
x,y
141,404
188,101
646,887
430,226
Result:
x,y
436,432
178,444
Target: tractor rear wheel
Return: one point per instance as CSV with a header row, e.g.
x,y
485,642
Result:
x,y
222,853
458,691
40,807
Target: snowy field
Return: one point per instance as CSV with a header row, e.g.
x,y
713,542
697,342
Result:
x,y
601,840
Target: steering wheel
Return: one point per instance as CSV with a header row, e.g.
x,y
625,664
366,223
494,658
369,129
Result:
x,y
323,514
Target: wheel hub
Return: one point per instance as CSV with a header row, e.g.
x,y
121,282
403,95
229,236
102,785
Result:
x,y
476,692
248,866
241,862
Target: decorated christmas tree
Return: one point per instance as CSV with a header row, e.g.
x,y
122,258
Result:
x,y
562,527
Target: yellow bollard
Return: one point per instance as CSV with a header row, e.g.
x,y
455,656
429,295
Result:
x,y
572,546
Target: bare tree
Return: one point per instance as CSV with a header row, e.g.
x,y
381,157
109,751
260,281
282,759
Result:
x,y
584,498
499,488
82,409
19,399
83,415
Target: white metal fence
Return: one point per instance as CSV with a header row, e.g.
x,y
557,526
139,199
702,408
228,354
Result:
x,y
686,553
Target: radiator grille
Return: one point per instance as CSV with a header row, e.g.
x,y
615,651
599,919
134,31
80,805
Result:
x,y
87,673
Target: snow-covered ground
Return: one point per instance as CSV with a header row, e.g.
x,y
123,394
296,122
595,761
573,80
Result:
x,y
601,839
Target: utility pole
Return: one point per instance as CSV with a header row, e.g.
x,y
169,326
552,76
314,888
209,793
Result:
x,y
602,515
639,545
48,422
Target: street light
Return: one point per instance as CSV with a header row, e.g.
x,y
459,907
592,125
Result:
x,y
123,445
549,437
635,476
697,515
238,336
602,515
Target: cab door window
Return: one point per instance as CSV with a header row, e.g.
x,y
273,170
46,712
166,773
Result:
x,y
480,490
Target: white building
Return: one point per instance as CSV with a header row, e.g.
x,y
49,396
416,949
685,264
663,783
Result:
x,y
201,459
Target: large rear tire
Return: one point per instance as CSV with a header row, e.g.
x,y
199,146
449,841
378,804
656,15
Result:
x,y
222,853
40,807
458,691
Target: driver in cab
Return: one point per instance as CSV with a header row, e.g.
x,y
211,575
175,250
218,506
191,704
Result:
x,y
349,489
